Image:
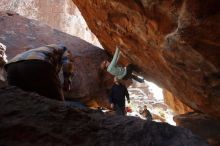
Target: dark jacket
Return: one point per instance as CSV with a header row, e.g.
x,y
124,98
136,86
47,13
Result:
x,y
117,95
146,113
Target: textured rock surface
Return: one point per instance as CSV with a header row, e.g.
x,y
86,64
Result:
x,y
3,60
202,125
59,14
175,42
19,34
175,104
29,119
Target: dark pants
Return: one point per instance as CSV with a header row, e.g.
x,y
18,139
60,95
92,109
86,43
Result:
x,y
130,68
35,75
120,110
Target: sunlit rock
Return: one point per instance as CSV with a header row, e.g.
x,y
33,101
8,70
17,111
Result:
x,y
174,42
89,84
59,14
175,104
3,60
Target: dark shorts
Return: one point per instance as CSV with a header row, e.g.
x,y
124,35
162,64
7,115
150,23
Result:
x,y
129,70
35,75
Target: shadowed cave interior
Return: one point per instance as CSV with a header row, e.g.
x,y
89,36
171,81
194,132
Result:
x,y
175,44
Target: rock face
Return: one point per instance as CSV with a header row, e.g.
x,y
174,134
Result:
x,y
29,119
175,104
59,14
19,34
175,42
202,125
3,60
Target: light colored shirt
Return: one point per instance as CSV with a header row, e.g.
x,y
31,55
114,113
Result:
x,y
114,69
56,55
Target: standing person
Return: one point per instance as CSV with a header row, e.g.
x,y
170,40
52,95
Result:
x,y
117,97
38,70
118,71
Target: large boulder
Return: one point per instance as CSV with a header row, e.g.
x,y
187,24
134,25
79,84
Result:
x,y
202,125
174,42
59,14
33,120
175,104
89,83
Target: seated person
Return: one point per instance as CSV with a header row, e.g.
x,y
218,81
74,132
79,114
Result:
x,y
38,70
146,113
118,71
